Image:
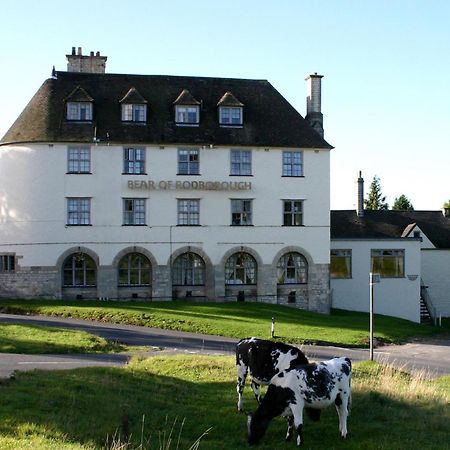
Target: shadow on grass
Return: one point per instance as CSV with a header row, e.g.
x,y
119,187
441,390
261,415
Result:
x,y
87,405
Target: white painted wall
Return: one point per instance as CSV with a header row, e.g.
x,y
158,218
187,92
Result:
x,y
34,186
436,275
398,297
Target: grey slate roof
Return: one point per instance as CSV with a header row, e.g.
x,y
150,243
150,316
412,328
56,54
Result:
x,y
269,119
389,224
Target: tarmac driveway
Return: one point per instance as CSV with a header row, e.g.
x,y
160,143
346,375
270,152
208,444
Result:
x,y
429,358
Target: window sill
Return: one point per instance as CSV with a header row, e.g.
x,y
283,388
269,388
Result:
x,y
78,173
238,175
239,225
134,122
134,224
293,226
227,125
129,173
183,124
78,225
292,176
188,225
78,121
189,174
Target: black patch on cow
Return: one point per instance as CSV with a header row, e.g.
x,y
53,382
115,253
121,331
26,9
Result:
x,y
338,401
281,375
346,367
319,381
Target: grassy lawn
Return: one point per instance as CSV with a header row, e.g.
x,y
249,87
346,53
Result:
x,y
236,320
32,339
151,398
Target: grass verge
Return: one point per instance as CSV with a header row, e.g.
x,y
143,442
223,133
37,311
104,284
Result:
x,y
236,320
85,408
31,339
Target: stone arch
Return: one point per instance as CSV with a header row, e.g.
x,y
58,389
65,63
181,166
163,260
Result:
x,y
134,249
196,291
238,249
78,249
292,249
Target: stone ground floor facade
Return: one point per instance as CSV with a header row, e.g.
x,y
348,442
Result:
x,y
292,278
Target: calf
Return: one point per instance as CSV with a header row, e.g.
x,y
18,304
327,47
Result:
x,y
263,359
314,386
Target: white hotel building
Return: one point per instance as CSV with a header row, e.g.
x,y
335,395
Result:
x,y
162,187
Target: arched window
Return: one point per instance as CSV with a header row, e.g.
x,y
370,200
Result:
x,y
79,270
135,270
188,270
292,269
240,268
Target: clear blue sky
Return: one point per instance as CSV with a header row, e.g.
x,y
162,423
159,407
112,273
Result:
x,y
386,67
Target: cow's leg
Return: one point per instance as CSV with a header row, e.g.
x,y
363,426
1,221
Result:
x,y
242,370
290,428
256,390
297,411
341,402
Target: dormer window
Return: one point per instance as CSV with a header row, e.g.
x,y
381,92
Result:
x,y
187,109
134,113
79,105
134,107
81,111
230,111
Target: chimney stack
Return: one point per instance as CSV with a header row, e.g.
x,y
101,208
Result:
x,y
94,63
360,200
314,114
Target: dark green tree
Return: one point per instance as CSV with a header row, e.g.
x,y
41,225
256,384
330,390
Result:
x,y
375,200
403,203
446,204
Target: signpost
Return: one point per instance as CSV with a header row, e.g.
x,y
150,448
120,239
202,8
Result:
x,y
373,278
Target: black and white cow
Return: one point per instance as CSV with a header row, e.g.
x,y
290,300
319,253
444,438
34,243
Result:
x,y
316,385
263,359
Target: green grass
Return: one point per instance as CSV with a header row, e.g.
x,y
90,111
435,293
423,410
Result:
x,y
31,339
236,320
85,408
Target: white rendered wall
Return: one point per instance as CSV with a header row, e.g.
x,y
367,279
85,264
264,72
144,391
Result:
x,y
34,187
436,275
398,297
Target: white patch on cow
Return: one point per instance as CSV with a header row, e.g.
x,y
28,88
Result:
x,y
284,359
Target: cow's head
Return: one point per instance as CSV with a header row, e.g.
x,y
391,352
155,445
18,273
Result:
x,y
256,428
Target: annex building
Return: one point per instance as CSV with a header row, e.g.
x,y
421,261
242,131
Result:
x,y
161,187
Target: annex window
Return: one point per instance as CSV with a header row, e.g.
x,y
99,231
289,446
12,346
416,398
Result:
x,y
240,268
79,270
341,263
134,211
188,161
292,164
388,263
188,115
79,111
134,112
292,268
8,263
188,212
241,212
78,211
134,160
135,270
79,160
241,162
292,213
230,115
188,270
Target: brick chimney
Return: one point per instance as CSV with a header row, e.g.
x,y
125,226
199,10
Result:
x,y
314,102
360,198
77,62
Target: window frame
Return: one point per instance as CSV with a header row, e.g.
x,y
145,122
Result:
x,y
300,269
240,163
237,275
395,253
240,214
231,121
134,112
183,115
188,212
294,215
76,164
137,215
188,267
8,263
290,167
345,255
78,211
143,270
79,111
192,166
133,164
84,258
